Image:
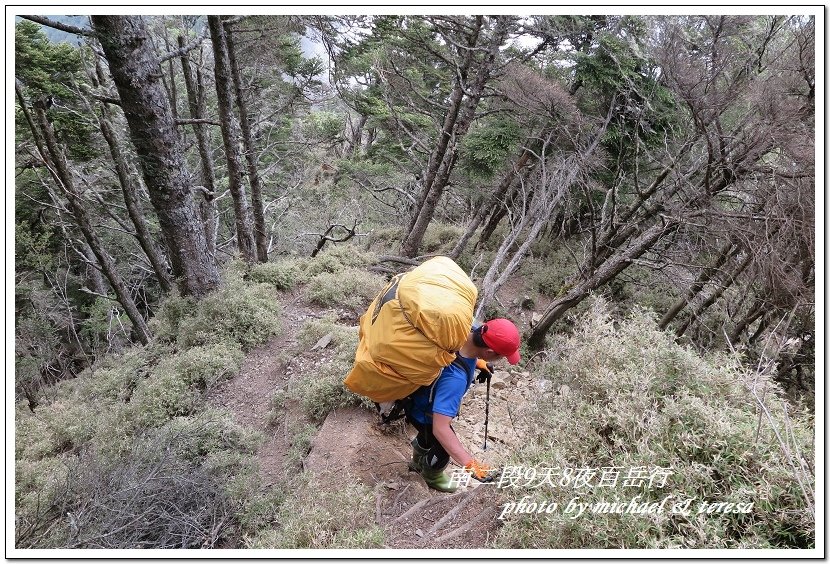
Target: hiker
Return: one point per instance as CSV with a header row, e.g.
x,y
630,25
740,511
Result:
x,y
430,409
416,354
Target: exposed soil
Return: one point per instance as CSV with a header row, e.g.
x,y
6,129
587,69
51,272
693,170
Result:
x,y
265,370
352,441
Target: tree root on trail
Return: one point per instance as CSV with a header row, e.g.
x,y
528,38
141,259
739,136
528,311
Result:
x,y
454,511
397,497
423,504
466,527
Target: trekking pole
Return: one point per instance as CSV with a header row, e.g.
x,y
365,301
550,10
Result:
x,y
486,412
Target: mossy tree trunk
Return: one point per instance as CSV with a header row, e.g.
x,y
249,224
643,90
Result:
x,y
136,72
260,235
196,104
230,139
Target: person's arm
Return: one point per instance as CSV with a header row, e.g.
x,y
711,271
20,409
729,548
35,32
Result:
x,y
448,439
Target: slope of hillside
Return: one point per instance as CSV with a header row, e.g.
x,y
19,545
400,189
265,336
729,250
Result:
x,y
235,425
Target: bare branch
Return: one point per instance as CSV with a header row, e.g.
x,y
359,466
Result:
x,y
185,121
187,48
62,27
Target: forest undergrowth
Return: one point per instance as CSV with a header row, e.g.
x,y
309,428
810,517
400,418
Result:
x,y
130,455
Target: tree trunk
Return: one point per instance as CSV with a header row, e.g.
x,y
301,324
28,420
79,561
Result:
x,y
757,310
196,104
703,278
60,172
134,210
457,123
355,136
367,140
496,215
136,72
439,154
174,96
604,273
230,138
534,213
766,320
490,203
498,212
611,258
93,270
715,295
260,237
446,136
534,219
614,235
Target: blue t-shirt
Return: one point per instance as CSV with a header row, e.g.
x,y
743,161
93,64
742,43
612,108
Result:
x,y
444,395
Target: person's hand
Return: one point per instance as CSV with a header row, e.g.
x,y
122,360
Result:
x,y
485,370
479,471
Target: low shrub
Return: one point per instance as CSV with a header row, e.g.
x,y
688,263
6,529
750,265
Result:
x,y
151,498
115,376
284,274
382,239
256,506
277,407
302,434
343,337
634,399
137,422
440,238
550,275
39,488
172,311
321,389
165,490
204,366
209,432
105,327
322,515
337,258
66,424
352,288
162,396
238,312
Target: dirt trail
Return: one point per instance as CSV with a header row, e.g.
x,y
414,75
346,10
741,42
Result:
x,y
352,444
352,441
265,370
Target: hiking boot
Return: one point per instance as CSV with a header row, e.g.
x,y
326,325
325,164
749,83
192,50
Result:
x,y
418,455
437,479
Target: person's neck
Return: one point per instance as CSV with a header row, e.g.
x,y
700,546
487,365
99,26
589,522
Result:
x,y
468,349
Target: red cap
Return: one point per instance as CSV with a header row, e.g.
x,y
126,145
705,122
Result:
x,y
503,337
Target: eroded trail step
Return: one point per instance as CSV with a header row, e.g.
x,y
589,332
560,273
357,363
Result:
x,y
351,445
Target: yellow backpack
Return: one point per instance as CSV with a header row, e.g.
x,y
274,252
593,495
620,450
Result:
x,y
412,330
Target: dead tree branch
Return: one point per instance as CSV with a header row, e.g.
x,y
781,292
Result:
x,y
62,27
324,237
